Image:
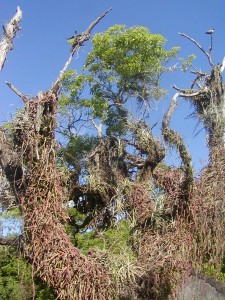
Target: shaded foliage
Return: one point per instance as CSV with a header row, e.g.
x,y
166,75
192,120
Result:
x,y
16,278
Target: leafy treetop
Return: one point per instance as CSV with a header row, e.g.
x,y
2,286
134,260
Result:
x,y
125,63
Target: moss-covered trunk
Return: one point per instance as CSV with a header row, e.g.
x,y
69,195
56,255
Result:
x,y
41,193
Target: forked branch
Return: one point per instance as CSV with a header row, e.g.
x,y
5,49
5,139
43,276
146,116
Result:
x,y
208,54
75,47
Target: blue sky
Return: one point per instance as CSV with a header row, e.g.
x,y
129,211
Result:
x,y
41,49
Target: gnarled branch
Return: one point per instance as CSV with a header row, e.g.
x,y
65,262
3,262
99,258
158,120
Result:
x,y
208,55
174,139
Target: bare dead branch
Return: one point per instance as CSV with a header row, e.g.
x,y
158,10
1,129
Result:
x,y
199,73
186,94
170,111
223,65
15,90
199,76
77,43
208,55
9,32
98,128
82,38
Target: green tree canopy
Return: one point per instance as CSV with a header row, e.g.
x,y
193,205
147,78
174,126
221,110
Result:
x,y
124,64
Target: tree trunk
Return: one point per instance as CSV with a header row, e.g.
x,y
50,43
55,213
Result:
x,y
41,193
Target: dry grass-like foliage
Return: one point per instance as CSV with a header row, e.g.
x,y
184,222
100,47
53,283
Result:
x,y
165,260
175,237
169,252
207,209
41,195
122,269
7,199
98,185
